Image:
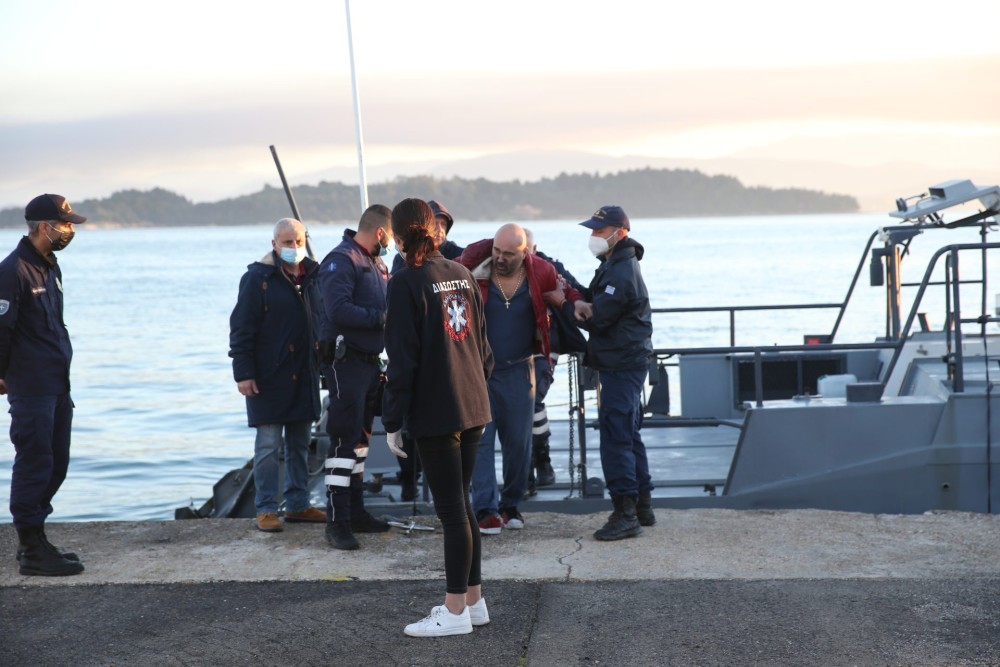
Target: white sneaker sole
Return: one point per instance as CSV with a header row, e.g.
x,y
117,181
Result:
x,y
437,632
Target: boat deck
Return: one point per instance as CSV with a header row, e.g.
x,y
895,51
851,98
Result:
x,y
683,462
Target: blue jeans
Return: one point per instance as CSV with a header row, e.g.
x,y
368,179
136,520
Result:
x,y
512,405
265,466
40,430
623,455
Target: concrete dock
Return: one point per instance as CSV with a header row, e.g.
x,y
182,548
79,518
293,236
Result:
x,y
701,587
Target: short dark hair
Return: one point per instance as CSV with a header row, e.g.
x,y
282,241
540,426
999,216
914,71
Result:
x,y
374,217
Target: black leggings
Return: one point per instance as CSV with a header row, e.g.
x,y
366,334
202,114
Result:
x,y
448,461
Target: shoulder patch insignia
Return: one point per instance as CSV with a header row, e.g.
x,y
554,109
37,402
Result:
x,y
332,266
4,306
610,289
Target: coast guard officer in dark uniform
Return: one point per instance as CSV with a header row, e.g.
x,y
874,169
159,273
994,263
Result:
x,y
619,348
35,354
353,280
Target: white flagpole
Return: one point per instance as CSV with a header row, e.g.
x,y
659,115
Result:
x,y
362,180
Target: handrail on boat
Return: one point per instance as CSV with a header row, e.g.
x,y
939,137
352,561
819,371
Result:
x,y
953,326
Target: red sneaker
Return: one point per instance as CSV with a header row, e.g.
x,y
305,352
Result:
x,y
512,519
490,525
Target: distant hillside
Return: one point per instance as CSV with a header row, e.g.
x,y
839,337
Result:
x,y
644,193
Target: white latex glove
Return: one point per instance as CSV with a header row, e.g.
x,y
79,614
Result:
x,y
395,441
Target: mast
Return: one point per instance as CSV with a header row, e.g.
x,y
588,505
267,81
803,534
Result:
x,y
362,181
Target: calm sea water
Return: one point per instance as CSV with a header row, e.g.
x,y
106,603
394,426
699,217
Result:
x,y
158,419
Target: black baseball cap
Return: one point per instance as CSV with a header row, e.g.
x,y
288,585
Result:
x,y
607,215
51,207
439,209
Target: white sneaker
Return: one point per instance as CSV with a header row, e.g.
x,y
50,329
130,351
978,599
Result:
x,y
478,613
441,623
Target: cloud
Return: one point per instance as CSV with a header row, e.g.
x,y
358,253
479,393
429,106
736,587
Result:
x,y
216,134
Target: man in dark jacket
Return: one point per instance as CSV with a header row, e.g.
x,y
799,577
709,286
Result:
x,y
273,343
619,348
409,467
35,355
354,280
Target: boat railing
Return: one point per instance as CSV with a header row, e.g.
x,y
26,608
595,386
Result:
x,y
952,328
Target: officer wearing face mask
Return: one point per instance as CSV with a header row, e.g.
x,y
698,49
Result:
x,y
273,341
619,347
35,355
353,277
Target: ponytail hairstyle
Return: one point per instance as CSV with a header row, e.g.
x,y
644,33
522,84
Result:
x,y
413,227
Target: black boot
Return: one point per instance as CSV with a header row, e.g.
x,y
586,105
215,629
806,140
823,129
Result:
x,y
644,509
68,555
339,535
622,523
39,558
363,522
543,462
532,489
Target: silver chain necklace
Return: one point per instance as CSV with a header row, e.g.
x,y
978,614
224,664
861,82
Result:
x,y
506,299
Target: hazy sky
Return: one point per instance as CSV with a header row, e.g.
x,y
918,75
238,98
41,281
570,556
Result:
x,y
104,95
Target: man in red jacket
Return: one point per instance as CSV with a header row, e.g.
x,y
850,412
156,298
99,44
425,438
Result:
x,y
516,287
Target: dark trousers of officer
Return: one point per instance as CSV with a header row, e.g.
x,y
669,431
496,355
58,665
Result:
x,y
40,430
353,385
623,454
450,461
540,430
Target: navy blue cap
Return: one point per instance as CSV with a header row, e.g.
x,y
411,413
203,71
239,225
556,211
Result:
x,y
439,209
51,207
605,216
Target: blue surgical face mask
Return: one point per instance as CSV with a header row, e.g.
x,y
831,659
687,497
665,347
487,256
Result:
x,y
381,248
292,255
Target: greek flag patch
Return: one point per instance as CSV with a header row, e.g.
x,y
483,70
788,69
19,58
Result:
x,y
610,289
4,306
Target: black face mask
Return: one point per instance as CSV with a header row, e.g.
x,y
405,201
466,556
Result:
x,y
60,241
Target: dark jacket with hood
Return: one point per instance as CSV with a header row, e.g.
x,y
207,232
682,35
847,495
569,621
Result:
x,y
621,328
273,341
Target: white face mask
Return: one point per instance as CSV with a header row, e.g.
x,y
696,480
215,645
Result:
x,y
292,255
599,245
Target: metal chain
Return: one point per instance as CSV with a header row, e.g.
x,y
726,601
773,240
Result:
x,y
573,412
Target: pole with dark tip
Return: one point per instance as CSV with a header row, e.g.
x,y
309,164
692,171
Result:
x,y
291,199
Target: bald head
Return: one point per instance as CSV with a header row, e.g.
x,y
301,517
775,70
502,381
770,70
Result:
x,y
288,225
529,239
509,247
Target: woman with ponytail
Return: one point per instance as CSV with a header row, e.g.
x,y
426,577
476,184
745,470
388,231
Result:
x,y
439,361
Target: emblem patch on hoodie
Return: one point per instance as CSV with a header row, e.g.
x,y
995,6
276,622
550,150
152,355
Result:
x,y
456,316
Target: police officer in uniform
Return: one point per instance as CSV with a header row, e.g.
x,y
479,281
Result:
x,y
353,280
35,354
619,320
